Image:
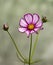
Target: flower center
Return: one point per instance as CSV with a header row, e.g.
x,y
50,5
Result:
x,y
31,26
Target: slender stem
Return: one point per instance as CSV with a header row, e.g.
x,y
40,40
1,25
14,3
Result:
x,y
19,58
33,50
16,46
25,62
30,49
36,61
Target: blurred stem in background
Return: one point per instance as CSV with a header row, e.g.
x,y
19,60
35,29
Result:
x,y
33,49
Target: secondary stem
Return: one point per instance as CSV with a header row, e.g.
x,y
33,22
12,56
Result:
x,y
16,46
30,49
33,50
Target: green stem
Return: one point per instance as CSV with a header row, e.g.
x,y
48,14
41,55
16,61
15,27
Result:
x,y
16,46
28,62
36,61
33,50
25,62
19,58
30,49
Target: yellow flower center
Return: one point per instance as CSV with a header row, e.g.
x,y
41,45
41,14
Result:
x,y
31,26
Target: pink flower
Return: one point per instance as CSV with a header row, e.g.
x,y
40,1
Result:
x,y
30,24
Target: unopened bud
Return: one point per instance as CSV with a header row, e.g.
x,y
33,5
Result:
x,y
44,19
5,27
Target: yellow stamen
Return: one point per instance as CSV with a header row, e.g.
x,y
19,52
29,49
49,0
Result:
x,y
31,26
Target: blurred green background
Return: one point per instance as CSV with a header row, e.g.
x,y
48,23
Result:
x,y
10,12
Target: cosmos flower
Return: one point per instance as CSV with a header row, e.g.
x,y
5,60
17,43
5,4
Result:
x,y
30,24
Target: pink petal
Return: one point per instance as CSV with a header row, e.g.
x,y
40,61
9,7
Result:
x,y
28,33
39,23
35,18
32,31
36,29
28,18
22,29
23,23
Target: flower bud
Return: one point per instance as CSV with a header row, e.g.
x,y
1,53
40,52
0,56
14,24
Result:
x,y
5,27
44,19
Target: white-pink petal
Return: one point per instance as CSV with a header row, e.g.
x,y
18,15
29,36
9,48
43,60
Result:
x,y
22,29
36,29
32,31
28,33
28,18
23,23
35,18
39,23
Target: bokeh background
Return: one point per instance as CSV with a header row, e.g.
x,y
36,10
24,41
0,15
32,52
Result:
x,y
10,12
